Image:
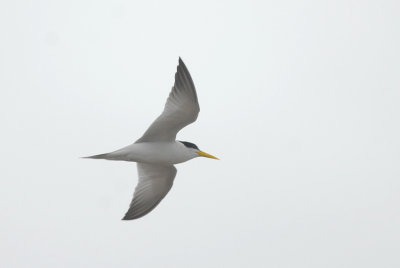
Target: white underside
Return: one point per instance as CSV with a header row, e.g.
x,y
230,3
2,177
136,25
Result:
x,y
162,153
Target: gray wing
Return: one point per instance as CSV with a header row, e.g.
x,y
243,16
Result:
x,y
155,181
181,109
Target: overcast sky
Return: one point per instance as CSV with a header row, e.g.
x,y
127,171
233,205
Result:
x,y
299,99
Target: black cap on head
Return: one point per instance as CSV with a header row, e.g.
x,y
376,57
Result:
x,y
189,145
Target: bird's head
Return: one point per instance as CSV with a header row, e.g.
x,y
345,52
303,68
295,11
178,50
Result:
x,y
195,151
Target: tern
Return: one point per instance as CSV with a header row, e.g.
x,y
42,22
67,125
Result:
x,y
157,151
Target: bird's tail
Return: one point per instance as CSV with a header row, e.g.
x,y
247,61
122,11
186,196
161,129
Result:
x,y
98,156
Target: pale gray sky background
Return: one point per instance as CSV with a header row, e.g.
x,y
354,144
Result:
x,y
300,100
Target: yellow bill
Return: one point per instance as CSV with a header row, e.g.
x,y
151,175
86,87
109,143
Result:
x,y
206,155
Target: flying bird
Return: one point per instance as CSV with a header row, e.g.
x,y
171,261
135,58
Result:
x,y
157,151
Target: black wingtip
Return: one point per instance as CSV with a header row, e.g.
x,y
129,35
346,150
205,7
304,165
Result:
x,y
127,218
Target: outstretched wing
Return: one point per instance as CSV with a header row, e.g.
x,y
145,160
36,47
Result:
x,y
155,181
181,109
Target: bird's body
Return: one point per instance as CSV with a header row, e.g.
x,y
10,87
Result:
x,y
157,151
163,153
